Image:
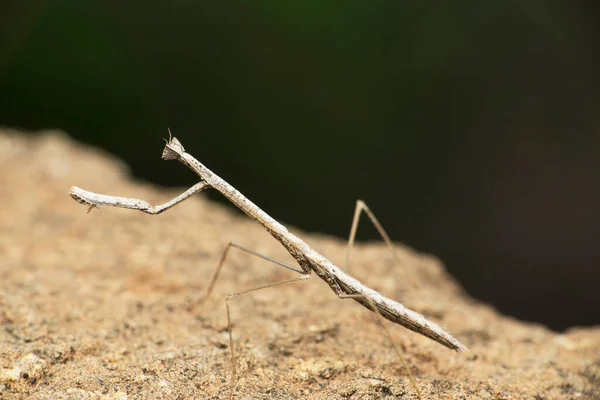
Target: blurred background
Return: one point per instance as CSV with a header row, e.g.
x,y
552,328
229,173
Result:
x,y
471,129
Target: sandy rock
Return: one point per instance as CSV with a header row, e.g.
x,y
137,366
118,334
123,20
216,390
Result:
x,y
107,305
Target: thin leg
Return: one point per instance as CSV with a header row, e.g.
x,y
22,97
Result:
x,y
94,200
362,206
382,323
227,298
213,281
306,275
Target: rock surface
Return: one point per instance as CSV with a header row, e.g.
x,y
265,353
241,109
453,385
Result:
x,y
106,305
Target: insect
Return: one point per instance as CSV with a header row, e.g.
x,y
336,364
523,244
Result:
x,y
342,284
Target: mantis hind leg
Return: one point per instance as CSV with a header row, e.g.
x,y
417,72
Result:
x,y
389,335
361,207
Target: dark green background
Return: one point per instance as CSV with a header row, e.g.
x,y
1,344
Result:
x,y
471,128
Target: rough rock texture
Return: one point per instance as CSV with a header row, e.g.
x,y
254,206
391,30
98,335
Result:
x,y
106,305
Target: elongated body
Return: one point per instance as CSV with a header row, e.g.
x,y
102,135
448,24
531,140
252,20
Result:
x,y
309,260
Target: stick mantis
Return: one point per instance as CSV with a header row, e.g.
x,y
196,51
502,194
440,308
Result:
x,y
342,284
